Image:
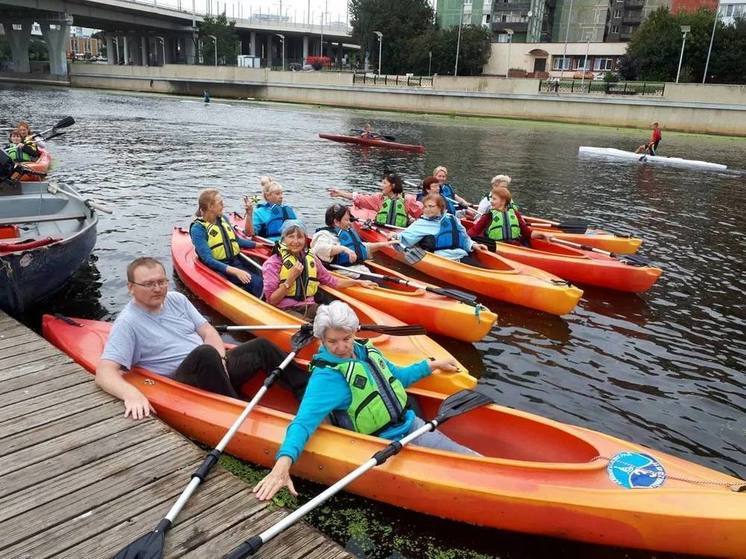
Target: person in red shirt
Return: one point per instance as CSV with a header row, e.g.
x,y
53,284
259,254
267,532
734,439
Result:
x,y
655,138
503,223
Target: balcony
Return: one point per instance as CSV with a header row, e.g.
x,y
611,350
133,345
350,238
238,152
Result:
x,y
518,27
632,18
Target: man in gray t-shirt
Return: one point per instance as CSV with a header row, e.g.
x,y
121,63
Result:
x,y
164,333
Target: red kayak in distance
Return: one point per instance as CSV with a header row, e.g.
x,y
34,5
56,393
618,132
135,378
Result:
x,y
372,142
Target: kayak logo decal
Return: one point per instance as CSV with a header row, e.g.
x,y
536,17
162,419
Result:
x,y
634,470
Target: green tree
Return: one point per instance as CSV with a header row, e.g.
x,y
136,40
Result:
x,y
400,21
227,39
474,51
654,49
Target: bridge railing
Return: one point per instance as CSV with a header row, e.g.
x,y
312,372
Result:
x,y
368,78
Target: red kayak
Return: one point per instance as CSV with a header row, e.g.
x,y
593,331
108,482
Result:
x,y
372,142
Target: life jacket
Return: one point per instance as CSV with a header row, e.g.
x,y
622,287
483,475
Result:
x,y
504,225
278,216
307,284
378,397
17,154
449,236
220,238
393,212
348,238
448,194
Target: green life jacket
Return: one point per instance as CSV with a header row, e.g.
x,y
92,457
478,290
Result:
x,y
378,397
17,154
504,226
393,212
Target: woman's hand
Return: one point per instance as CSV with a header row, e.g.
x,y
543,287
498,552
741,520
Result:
x,y
351,254
295,272
444,365
275,480
241,275
479,246
248,204
367,283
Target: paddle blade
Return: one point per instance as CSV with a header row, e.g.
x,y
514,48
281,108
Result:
x,y
65,122
412,255
405,330
302,337
460,403
462,296
633,259
149,546
573,226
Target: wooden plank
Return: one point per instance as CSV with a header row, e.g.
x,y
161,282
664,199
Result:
x,y
78,419
70,497
20,409
37,418
44,375
52,359
59,457
11,330
52,383
27,343
114,521
43,351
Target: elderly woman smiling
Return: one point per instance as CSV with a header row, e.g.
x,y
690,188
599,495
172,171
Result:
x,y
362,389
292,275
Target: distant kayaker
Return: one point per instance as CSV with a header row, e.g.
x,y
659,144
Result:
x,y
447,191
503,223
164,333
269,216
292,275
439,232
368,132
485,204
206,96
393,207
18,150
651,147
218,246
338,242
360,389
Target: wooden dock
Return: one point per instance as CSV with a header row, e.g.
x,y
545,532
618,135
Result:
x,y
78,480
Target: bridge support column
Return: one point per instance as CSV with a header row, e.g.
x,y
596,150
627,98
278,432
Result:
x,y
269,51
189,50
109,48
57,35
252,44
19,36
305,48
125,49
144,50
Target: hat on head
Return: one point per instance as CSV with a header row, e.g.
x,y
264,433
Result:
x,y
289,223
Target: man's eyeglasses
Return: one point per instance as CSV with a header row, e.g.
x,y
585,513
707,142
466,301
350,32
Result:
x,y
152,284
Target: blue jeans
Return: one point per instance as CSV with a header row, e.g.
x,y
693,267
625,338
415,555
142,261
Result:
x,y
255,286
438,440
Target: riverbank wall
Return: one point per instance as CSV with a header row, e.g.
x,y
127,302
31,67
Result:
x,y
697,108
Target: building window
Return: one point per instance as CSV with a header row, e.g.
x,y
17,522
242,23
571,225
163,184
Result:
x,y
561,63
603,64
615,29
617,13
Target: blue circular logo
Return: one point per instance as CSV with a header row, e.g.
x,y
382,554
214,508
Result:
x,y
633,470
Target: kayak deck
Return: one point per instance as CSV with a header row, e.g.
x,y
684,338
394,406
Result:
x,y
374,142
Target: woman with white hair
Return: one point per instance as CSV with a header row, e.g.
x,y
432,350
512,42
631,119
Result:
x,y
268,217
362,390
292,275
485,204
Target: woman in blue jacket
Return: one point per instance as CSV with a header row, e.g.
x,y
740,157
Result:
x,y
269,216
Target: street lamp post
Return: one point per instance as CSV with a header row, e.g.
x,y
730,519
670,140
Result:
x,y
380,45
567,36
510,46
684,31
282,40
458,40
429,63
712,38
215,40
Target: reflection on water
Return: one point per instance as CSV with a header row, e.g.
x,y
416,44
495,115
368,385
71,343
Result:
x,y
665,369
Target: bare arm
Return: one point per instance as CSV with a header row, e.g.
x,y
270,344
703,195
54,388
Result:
x,y
211,337
340,193
109,379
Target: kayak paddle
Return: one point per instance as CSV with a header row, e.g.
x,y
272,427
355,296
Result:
x,y
453,406
632,259
150,546
375,135
462,296
570,226
403,330
54,131
412,255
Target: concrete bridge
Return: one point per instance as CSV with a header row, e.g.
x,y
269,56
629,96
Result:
x,y
147,34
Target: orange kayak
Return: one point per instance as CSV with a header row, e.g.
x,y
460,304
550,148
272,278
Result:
x,y
597,238
536,475
580,266
436,313
497,277
243,308
41,165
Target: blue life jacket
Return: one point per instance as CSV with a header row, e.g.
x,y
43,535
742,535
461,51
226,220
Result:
x,y
448,194
278,216
449,236
348,238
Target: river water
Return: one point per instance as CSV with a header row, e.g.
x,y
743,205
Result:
x,y
665,369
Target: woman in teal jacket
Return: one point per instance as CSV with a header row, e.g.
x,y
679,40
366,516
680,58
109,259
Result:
x,y
353,382
269,216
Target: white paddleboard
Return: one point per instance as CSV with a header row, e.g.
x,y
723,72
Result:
x,y
655,159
